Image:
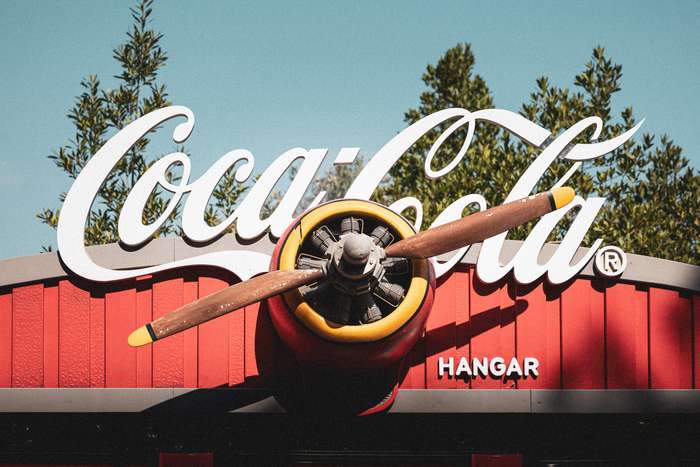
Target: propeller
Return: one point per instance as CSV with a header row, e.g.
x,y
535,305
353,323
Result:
x,y
224,301
442,239
480,226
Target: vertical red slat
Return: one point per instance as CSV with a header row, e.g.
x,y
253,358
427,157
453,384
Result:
x,y
74,335
250,322
236,347
190,339
696,341
441,334
6,340
415,367
144,314
553,333
583,336
120,321
507,332
492,328
538,324
28,336
259,341
168,354
200,459
641,359
462,280
598,322
51,336
496,460
484,327
626,327
97,342
670,336
213,341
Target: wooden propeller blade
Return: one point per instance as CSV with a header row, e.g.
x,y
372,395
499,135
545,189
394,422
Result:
x,y
224,301
481,225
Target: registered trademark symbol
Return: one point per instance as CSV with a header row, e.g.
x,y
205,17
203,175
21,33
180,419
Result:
x,y
610,261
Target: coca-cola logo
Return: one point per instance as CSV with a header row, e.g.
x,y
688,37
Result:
x,y
250,224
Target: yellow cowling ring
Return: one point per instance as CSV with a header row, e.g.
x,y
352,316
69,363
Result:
x,y
336,332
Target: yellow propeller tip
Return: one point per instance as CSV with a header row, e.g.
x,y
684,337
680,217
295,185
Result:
x,y
562,196
140,337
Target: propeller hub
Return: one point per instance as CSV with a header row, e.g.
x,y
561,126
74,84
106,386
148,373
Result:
x,y
356,257
356,249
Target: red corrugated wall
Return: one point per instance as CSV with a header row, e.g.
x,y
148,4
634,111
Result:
x,y
586,335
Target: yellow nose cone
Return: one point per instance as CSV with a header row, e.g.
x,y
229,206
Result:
x,y
563,196
140,337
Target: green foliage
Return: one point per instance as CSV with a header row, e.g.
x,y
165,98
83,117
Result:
x,y
98,112
652,192
335,182
225,195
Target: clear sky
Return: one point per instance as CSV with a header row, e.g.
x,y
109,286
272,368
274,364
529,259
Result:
x,y
268,76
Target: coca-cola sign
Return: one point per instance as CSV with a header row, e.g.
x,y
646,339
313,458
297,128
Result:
x,y
250,225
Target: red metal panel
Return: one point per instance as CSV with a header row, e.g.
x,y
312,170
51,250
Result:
x,y
68,338
670,335
51,336
583,341
414,367
491,328
6,340
507,331
250,323
626,335
413,373
597,301
74,335
420,365
120,322
553,333
538,325
497,460
236,348
441,334
28,336
696,341
168,354
144,314
97,341
462,278
260,341
213,341
205,459
484,327
190,338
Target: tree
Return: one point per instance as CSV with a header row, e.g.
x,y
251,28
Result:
x,y
334,180
653,194
98,112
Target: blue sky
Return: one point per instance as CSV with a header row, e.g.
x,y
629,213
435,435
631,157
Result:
x,y
267,76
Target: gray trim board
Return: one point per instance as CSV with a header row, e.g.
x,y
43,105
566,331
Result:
x,y
641,269
524,401
616,401
462,401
